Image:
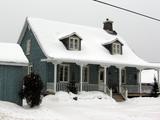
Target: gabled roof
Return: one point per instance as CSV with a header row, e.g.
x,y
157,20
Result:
x,y
12,54
92,51
63,36
113,42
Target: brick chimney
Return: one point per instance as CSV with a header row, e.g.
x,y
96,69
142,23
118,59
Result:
x,y
108,26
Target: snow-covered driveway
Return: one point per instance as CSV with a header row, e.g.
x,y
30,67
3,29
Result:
x,y
89,106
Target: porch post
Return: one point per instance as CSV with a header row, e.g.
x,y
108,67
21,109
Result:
x,y
105,72
55,76
81,77
140,85
158,79
120,79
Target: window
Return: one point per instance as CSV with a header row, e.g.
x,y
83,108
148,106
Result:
x,y
28,47
101,74
74,43
135,76
116,48
123,76
85,73
63,73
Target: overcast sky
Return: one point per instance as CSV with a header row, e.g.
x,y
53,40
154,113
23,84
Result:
x,y
142,34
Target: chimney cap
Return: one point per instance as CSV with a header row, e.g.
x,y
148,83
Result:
x,y
107,20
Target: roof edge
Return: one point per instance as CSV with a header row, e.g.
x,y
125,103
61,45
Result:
x,y
23,31
13,63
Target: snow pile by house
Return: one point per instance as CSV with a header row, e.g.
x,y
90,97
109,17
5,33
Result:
x,y
147,76
89,106
12,53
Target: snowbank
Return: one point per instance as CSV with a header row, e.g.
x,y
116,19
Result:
x,y
89,106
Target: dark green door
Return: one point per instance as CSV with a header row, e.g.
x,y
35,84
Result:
x,y
113,79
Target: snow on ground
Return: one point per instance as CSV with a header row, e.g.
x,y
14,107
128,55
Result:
x,y
89,106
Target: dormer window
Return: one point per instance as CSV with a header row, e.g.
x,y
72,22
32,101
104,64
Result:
x,y
116,48
73,43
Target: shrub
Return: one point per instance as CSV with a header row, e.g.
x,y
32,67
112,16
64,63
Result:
x,y
155,89
32,89
72,87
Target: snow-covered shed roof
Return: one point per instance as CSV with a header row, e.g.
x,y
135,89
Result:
x,y
147,76
12,54
92,49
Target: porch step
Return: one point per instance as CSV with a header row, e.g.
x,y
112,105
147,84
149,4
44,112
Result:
x,y
118,97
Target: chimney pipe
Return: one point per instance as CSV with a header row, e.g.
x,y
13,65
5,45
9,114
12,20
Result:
x,y
108,26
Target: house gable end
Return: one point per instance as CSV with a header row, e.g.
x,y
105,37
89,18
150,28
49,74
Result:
x,y
36,54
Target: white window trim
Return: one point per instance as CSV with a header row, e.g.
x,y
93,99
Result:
x,y
87,67
64,65
30,68
116,48
124,76
74,39
28,47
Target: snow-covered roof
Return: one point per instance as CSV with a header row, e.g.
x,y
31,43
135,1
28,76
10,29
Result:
x,y
147,76
12,54
92,49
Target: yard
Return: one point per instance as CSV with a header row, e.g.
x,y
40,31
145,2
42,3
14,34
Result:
x,y
89,106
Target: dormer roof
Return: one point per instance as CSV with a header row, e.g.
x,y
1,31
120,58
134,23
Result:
x,y
63,36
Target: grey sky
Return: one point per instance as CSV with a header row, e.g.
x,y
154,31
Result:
x,y
141,34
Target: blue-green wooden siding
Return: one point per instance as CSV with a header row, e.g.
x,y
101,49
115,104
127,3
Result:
x,y
35,57
11,83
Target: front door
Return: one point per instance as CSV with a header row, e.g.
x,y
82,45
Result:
x,y
101,79
113,79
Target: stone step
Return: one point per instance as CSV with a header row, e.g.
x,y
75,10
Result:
x,y
118,97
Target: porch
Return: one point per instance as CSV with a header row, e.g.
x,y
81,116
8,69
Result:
x,y
124,80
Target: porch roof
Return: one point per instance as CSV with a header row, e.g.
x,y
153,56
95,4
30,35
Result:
x,y
92,50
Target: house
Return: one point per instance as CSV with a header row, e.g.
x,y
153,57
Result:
x,y
95,58
13,67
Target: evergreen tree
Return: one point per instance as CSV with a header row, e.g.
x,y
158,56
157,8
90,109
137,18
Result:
x,y
32,89
155,89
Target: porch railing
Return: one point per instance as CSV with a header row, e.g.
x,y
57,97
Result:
x,y
135,88
124,92
146,88
87,87
61,86
132,88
